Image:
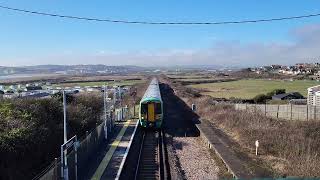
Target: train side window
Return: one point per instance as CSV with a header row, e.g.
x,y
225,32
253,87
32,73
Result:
x,y
158,108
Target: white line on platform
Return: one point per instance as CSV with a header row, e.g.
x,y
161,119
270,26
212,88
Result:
x,y
126,153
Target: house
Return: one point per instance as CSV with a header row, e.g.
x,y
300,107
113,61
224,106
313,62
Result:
x,y
10,95
287,96
298,101
40,95
33,88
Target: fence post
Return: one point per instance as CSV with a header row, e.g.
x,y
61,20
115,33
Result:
x,y
307,112
291,112
87,141
315,112
278,111
265,109
96,138
55,172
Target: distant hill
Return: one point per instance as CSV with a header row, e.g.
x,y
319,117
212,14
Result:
x,y
69,69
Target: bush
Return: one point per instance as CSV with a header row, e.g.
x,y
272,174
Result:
x,y
260,98
279,91
31,131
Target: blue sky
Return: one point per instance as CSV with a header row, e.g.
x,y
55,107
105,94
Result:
x,y
29,39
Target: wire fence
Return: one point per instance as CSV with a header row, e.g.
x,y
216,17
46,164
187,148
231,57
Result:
x,y
86,148
287,111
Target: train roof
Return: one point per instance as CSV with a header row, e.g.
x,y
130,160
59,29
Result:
x,y
153,91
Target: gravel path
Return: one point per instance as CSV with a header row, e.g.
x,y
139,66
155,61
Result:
x,y
194,158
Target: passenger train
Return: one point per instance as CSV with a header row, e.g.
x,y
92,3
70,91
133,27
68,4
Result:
x,y
151,107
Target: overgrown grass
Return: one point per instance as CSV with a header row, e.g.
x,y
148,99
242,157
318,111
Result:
x,y
296,142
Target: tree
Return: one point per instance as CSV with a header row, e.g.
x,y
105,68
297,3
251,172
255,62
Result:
x,y
59,96
275,92
279,91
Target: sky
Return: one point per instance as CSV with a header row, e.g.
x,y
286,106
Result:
x,y
27,39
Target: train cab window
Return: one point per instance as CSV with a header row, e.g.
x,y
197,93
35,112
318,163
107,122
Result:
x,y
158,108
144,108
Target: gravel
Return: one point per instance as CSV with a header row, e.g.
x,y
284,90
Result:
x,y
194,158
188,156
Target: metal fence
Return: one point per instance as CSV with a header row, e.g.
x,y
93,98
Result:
x,y
122,114
287,111
87,147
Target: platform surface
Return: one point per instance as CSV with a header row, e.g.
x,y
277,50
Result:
x,y
106,163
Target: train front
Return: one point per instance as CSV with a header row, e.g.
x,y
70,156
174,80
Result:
x,y
151,110
151,113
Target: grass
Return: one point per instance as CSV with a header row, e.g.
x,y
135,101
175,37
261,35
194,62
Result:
x,y
196,79
191,76
99,83
251,87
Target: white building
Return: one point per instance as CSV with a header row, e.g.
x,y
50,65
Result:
x,y
10,95
316,99
313,96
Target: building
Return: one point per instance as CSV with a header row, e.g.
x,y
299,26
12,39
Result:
x,y
287,96
39,95
311,99
33,88
10,95
298,101
316,99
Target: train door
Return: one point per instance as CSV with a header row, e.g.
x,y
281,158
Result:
x,y
151,112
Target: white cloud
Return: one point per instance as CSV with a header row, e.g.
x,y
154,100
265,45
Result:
x,y
304,47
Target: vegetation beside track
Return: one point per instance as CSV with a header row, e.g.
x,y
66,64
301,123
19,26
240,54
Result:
x,y
31,131
286,148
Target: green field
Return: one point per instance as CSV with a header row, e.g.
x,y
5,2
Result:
x,y
247,89
100,83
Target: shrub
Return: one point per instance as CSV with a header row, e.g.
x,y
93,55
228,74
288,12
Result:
x,y
31,131
260,98
279,91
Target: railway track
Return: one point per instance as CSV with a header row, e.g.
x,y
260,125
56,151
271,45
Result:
x,y
151,161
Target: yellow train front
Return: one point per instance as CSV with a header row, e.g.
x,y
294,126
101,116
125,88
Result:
x,y
151,107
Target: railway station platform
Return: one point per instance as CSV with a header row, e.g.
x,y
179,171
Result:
x,y
108,162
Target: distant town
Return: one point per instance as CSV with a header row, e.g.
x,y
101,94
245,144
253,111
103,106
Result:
x,y
312,70
46,90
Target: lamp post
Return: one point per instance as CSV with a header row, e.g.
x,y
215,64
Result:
x,y
66,176
64,117
105,110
